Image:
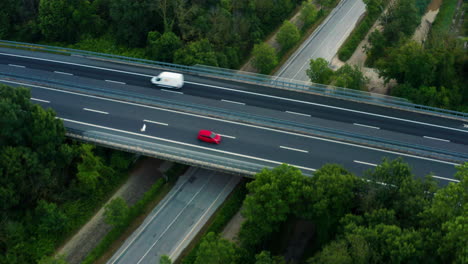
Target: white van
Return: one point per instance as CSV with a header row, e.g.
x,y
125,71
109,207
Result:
x,y
169,79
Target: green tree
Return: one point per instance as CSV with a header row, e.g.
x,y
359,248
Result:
x,y
376,47
162,47
7,9
197,52
350,77
400,21
165,260
215,250
54,19
335,252
319,72
308,14
131,21
288,35
265,257
264,58
116,212
90,168
51,221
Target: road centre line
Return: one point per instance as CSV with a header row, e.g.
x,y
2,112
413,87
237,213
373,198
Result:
x,y
17,66
64,73
154,122
96,111
173,221
40,100
365,163
439,139
294,149
247,92
184,144
139,231
374,127
171,254
111,81
227,136
296,113
232,122
233,102
443,178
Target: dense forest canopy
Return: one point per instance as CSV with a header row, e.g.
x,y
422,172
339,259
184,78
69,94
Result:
x,y
217,33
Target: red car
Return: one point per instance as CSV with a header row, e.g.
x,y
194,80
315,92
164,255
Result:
x,y
209,136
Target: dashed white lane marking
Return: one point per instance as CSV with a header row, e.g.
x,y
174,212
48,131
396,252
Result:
x,y
171,91
365,163
465,125
374,127
296,113
227,136
294,149
443,178
64,73
232,102
96,111
111,81
440,139
154,122
40,100
17,66
237,123
239,91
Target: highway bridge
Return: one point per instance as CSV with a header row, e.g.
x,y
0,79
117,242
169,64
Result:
x,y
109,101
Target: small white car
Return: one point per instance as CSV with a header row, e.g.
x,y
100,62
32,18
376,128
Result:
x,y
169,79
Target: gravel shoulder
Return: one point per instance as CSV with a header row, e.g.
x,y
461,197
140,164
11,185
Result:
x,y
145,173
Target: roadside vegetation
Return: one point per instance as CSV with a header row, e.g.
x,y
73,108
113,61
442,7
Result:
x,y
374,9
390,217
49,186
346,76
432,73
219,33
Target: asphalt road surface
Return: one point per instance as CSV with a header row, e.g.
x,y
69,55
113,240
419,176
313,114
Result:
x,y
325,41
177,219
243,142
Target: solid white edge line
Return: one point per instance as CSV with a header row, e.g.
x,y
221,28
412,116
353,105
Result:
x,y
184,144
154,122
295,113
443,178
40,100
233,102
294,149
199,220
374,127
240,91
16,65
365,163
96,111
237,123
173,221
172,91
148,222
64,73
329,106
227,136
111,81
439,139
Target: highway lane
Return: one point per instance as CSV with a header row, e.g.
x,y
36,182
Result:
x,y
178,218
325,42
245,142
325,109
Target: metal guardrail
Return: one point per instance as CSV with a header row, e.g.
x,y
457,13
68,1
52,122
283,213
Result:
x,y
272,81
249,118
152,149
